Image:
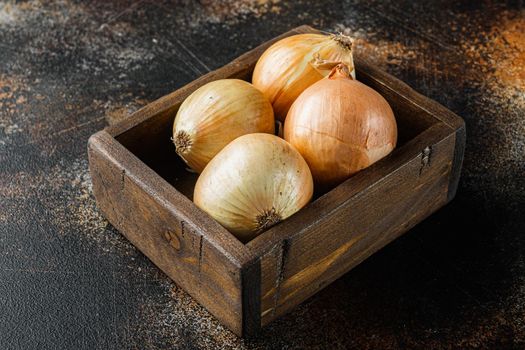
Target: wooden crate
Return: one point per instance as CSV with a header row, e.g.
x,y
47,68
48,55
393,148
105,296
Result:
x,y
143,189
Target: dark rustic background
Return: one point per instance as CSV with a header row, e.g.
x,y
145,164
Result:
x,y
68,280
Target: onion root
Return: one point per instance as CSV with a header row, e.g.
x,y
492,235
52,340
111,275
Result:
x,y
267,219
182,142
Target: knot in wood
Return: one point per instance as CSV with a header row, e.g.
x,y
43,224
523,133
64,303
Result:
x,y
172,239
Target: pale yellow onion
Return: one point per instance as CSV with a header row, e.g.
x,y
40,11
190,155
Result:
x,y
294,63
340,126
216,114
253,183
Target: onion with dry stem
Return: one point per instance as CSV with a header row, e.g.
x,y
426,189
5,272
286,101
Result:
x,y
294,63
253,183
340,126
216,114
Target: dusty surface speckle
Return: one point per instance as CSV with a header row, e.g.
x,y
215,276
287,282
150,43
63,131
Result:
x,y
70,280
8,13
232,11
116,112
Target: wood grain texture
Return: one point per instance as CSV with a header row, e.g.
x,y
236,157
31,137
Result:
x,y
343,236
251,300
161,223
457,162
135,171
414,101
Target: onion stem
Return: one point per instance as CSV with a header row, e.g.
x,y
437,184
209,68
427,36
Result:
x,y
344,41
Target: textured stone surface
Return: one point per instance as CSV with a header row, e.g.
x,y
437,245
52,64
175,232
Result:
x,y
68,280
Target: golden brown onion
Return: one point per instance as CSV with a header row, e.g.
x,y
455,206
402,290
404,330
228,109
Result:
x,y
216,114
253,183
340,126
294,63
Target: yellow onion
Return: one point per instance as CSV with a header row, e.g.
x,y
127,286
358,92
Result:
x,y
294,63
216,114
253,183
340,126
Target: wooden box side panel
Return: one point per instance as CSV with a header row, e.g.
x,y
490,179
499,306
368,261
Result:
x,y
425,107
308,260
168,238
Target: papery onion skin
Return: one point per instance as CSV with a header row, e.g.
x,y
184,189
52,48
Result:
x,y
340,126
294,63
253,183
216,114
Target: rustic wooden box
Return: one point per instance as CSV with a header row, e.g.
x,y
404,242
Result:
x,y
142,187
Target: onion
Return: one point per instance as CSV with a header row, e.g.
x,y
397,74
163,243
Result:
x,y
340,126
294,63
216,114
253,183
